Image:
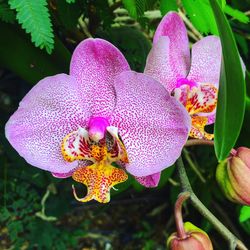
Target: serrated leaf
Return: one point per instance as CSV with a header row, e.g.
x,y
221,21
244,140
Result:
x,y
231,97
201,15
168,5
135,8
244,214
6,14
35,19
237,14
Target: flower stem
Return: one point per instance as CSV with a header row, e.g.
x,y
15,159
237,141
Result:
x,y
186,187
195,142
178,214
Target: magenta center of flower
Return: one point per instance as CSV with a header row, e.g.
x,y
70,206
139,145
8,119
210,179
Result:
x,y
185,81
97,128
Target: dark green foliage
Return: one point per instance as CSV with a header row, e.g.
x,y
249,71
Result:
x,y
35,19
132,43
6,14
168,5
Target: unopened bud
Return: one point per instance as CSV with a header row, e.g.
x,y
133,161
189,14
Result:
x,y
233,176
195,239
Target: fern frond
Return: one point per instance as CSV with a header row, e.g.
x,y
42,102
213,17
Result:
x,y
6,14
35,19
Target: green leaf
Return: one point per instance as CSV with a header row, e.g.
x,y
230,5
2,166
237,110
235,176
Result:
x,y
70,1
244,213
237,14
30,63
6,14
135,8
231,97
35,19
168,5
201,15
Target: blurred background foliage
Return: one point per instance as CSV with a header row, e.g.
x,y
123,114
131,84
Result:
x,y
38,211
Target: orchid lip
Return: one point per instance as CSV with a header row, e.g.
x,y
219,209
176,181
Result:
x,y
102,149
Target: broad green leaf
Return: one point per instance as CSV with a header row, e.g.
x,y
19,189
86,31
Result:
x,y
231,97
244,213
201,15
135,8
237,14
6,14
35,19
19,55
168,5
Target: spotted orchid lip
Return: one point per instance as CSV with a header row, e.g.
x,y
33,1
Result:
x,y
100,176
197,100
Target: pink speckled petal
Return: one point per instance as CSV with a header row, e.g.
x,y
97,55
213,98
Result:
x,y
51,110
158,64
149,181
63,175
170,61
94,63
153,125
206,61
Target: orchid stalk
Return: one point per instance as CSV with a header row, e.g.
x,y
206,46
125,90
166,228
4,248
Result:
x,y
186,187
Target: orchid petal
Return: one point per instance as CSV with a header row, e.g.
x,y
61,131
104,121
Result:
x,y
153,125
51,110
159,65
173,27
149,181
94,63
206,61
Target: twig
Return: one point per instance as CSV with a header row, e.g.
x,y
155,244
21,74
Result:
x,y
193,166
186,187
195,142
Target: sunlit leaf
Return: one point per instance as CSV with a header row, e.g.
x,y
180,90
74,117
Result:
x,y
201,15
237,14
135,8
231,99
244,213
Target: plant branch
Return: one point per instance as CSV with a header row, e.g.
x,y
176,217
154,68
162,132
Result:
x,y
193,166
186,187
195,142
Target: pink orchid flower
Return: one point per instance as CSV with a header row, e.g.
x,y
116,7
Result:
x,y
79,124
193,81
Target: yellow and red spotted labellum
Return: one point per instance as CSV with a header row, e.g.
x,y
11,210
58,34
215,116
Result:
x,y
233,176
195,239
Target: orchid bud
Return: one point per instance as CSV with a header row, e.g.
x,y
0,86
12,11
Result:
x,y
233,175
187,236
195,239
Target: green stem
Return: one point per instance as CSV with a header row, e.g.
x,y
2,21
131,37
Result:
x,y
186,187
